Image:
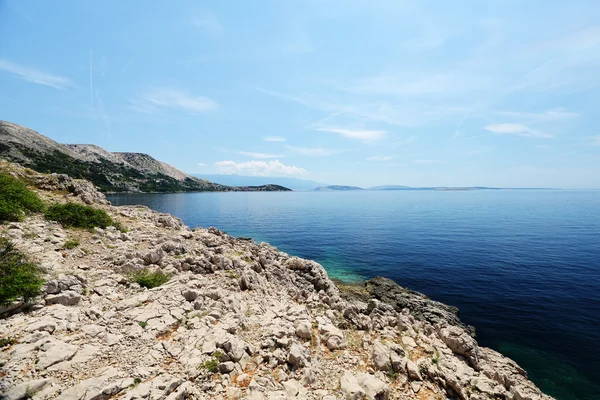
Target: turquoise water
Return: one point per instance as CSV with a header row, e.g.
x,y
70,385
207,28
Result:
x,y
522,266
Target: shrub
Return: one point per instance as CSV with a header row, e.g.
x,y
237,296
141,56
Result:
x,y
18,276
79,216
149,279
211,365
71,244
16,199
7,341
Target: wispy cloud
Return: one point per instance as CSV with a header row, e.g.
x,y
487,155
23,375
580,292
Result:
x,y
361,134
595,140
404,142
258,168
208,21
201,164
313,151
516,129
152,101
260,155
380,158
545,116
36,76
274,139
425,162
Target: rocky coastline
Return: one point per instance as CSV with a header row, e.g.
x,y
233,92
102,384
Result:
x,y
236,319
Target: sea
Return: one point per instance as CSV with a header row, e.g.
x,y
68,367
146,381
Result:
x,y
523,266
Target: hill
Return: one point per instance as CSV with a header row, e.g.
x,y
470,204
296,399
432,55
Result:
x,y
110,172
335,188
240,180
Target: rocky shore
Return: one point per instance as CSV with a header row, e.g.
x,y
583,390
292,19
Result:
x,y
236,319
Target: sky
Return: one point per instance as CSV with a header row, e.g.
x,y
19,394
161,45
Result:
x,y
350,92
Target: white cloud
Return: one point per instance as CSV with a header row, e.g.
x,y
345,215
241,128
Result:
x,y
153,100
201,164
516,129
35,76
259,155
274,139
366,135
595,140
258,168
380,158
209,22
313,151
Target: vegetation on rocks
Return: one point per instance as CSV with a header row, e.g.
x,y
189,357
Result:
x,y
19,277
79,216
71,244
16,200
149,279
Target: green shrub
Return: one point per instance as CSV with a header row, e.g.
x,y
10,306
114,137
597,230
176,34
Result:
x,y
79,216
71,244
7,341
16,199
149,279
18,276
211,365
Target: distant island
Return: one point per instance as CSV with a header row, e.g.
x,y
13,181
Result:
x,y
120,172
336,188
241,180
398,187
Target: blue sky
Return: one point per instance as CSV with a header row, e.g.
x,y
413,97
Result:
x,y
496,93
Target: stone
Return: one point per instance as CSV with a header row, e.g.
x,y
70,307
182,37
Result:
x,y
46,324
226,367
304,330
235,348
373,387
381,357
66,298
350,387
153,257
25,390
54,351
292,387
413,370
190,294
296,356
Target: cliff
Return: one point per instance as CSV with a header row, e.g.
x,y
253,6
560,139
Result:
x,y
236,319
110,172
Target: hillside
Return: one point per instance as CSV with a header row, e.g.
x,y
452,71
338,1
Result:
x,y
110,172
241,180
232,319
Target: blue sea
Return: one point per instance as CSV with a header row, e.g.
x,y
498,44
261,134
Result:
x,y
523,266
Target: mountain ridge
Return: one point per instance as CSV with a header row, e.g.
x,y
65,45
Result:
x,y
110,172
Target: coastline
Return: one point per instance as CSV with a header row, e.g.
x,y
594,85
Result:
x,y
248,307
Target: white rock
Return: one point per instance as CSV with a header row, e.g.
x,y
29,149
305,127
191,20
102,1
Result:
x,y
350,387
381,356
374,388
26,389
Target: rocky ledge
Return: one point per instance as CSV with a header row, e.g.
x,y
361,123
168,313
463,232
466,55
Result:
x,y
236,319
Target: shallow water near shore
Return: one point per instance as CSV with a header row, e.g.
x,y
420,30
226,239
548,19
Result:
x,y
522,266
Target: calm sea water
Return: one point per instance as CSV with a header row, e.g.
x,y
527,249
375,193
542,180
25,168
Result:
x,y
522,266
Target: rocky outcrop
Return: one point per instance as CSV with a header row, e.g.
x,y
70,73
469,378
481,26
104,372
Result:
x,y
237,319
420,305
